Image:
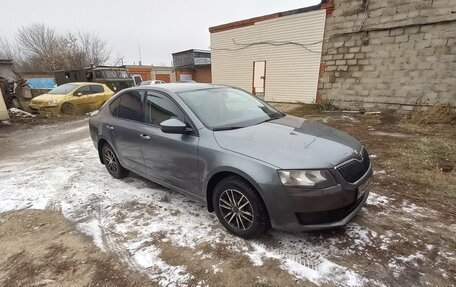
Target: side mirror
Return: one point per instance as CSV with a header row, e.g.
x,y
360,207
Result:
x,y
174,126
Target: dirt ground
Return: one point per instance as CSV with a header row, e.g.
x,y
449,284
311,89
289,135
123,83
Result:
x,y
41,248
404,236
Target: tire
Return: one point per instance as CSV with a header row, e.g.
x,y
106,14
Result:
x,y
111,161
68,109
239,208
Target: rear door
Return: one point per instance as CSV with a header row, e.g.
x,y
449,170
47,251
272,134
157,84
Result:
x,y
125,130
171,158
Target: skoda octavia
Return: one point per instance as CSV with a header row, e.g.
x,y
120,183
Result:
x,y
254,166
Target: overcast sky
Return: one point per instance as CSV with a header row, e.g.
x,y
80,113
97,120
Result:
x,y
161,27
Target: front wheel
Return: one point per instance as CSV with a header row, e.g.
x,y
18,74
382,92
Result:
x,y
68,109
240,208
111,161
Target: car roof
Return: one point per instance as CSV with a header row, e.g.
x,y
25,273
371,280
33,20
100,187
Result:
x,y
182,87
84,83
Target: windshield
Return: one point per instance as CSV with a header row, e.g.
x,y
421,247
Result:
x,y
63,89
116,74
228,108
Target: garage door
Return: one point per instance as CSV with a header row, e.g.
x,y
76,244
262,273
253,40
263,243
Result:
x,y
163,77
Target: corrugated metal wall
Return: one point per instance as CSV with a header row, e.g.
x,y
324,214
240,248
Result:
x,y
291,70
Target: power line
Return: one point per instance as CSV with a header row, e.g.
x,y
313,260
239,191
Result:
x,y
306,46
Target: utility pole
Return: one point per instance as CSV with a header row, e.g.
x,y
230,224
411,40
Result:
x,y
139,50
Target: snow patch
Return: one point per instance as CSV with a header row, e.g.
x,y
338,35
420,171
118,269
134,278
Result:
x,y
377,172
20,113
378,200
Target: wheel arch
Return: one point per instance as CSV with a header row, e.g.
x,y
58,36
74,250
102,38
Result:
x,y
101,142
220,174
66,103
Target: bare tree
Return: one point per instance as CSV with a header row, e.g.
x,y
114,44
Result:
x,y
6,50
94,48
40,48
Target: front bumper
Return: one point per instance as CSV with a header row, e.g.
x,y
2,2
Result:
x,y
44,110
304,210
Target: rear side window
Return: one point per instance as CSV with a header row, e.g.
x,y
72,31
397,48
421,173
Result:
x,y
95,89
130,106
114,106
159,108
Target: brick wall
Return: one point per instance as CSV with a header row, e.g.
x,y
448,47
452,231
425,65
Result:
x,y
389,54
145,72
199,74
203,74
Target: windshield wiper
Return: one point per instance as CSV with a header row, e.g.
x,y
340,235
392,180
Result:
x,y
278,116
226,128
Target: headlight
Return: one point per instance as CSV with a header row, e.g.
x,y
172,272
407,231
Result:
x,y
307,178
51,103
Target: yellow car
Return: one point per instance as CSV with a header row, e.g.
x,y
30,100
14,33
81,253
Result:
x,y
71,98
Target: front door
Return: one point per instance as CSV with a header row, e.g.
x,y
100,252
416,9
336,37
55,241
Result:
x,y
259,76
171,158
80,98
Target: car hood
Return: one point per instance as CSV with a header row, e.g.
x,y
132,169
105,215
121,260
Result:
x,y
291,143
47,98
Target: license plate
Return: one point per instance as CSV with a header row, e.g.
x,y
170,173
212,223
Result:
x,y
363,188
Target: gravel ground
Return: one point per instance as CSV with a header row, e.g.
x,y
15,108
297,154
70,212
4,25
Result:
x,y
175,241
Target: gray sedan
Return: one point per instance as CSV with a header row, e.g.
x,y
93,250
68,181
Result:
x,y
254,166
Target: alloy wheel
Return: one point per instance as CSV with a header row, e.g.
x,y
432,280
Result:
x,y
110,161
236,209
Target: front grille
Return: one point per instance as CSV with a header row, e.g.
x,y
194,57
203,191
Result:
x,y
354,170
322,217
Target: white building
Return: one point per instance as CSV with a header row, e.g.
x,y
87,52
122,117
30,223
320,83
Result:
x,y
276,56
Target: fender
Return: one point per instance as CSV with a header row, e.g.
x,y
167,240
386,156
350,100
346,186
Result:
x,y
233,170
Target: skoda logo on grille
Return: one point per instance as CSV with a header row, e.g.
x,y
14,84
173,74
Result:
x,y
358,155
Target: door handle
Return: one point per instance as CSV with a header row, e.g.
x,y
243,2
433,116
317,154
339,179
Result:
x,y
110,127
144,136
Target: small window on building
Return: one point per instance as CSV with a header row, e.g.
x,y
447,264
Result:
x,y
95,89
185,77
130,106
159,108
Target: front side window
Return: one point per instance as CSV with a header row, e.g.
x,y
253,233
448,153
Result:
x,y
159,108
95,89
130,106
226,108
84,90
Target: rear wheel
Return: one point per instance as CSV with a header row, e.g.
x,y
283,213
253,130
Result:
x,y
68,109
240,208
112,163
